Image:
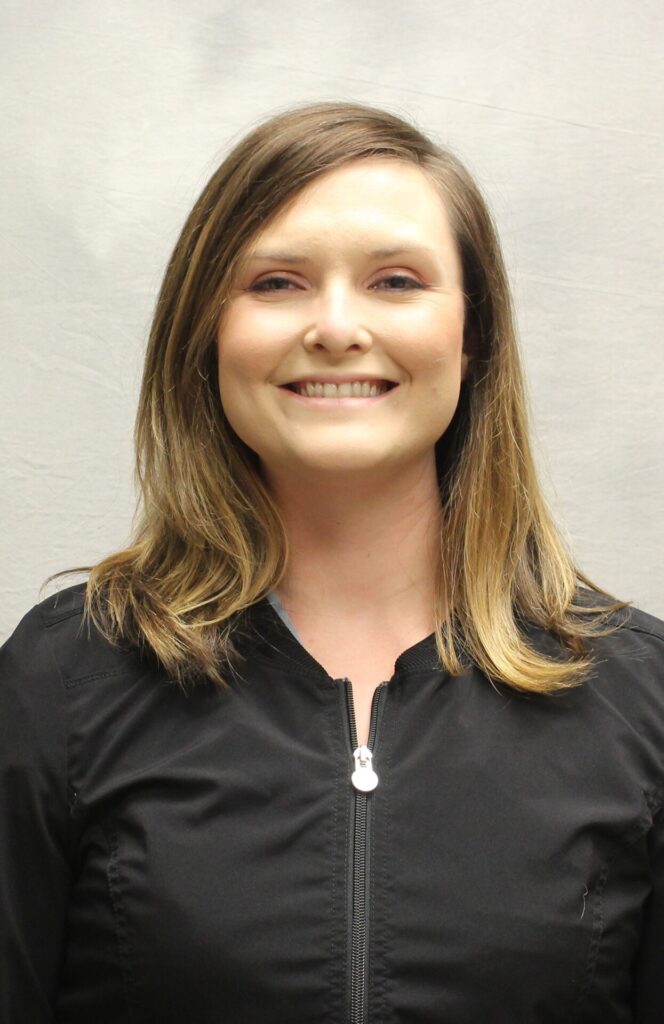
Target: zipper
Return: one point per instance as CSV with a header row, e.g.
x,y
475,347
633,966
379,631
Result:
x,y
364,780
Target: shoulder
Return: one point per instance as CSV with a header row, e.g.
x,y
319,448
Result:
x,y
632,630
34,721
632,649
54,640
64,606
626,668
66,691
629,632
639,621
627,681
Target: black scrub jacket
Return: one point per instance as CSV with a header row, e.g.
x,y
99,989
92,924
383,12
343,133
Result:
x,y
208,859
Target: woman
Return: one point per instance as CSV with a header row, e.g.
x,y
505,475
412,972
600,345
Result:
x,y
344,739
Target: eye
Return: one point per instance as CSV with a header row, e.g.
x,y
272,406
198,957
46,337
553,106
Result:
x,y
262,285
406,282
276,283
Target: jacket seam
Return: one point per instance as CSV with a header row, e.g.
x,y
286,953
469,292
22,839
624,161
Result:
x,y
91,677
597,936
647,632
62,617
70,793
653,804
68,683
121,923
295,667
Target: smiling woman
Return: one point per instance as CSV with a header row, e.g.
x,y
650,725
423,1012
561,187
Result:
x,y
337,319
350,736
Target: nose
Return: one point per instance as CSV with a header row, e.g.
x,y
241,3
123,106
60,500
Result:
x,y
337,326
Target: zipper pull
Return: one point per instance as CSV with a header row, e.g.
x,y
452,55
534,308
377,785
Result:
x,y
364,777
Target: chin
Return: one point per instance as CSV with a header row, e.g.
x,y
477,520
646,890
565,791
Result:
x,y
343,461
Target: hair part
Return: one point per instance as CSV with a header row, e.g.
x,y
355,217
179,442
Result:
x,y
207,538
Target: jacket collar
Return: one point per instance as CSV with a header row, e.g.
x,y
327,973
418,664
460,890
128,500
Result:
x,y
261,630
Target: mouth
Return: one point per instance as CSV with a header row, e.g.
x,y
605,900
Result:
x,y
344,389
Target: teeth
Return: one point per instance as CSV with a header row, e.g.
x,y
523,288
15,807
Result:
x,y
355,389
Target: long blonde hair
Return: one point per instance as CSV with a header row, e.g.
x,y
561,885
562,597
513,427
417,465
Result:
x,y
207,538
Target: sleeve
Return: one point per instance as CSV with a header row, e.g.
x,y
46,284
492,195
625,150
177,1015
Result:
x,y
649,969
34,870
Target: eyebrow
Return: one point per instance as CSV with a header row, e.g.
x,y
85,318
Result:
x,y
382,253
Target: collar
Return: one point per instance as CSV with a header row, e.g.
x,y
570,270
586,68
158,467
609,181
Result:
x,y
260,630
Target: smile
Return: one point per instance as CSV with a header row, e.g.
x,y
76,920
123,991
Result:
x,y
345,389
342,396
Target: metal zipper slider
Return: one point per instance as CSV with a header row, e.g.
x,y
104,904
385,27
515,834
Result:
x,y
364,777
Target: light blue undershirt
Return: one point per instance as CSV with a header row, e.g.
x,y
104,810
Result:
x,y
282,613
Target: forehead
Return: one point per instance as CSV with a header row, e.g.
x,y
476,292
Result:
x,y
374,200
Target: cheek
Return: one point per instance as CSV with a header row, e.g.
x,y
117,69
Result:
x,y
243,364
437,357
238,359
235,371
238,401
250,345
437,328
438,366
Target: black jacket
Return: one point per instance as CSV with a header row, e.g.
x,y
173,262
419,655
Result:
x,y
206,858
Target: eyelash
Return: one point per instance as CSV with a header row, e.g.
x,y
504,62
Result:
x,y
277,277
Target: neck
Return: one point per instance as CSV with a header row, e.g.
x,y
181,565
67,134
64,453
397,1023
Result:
x,y
361,549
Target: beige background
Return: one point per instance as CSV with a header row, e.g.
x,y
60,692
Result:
x,y
113,116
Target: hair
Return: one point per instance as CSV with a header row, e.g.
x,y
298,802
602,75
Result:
x,y
207,539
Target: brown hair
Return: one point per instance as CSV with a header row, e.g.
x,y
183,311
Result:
x,y
207,539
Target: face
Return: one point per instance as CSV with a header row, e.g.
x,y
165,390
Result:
x,y
358,284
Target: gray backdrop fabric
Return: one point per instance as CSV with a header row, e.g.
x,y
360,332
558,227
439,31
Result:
x,y
113,116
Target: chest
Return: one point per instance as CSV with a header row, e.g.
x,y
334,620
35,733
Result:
x,y
488,877
365,661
